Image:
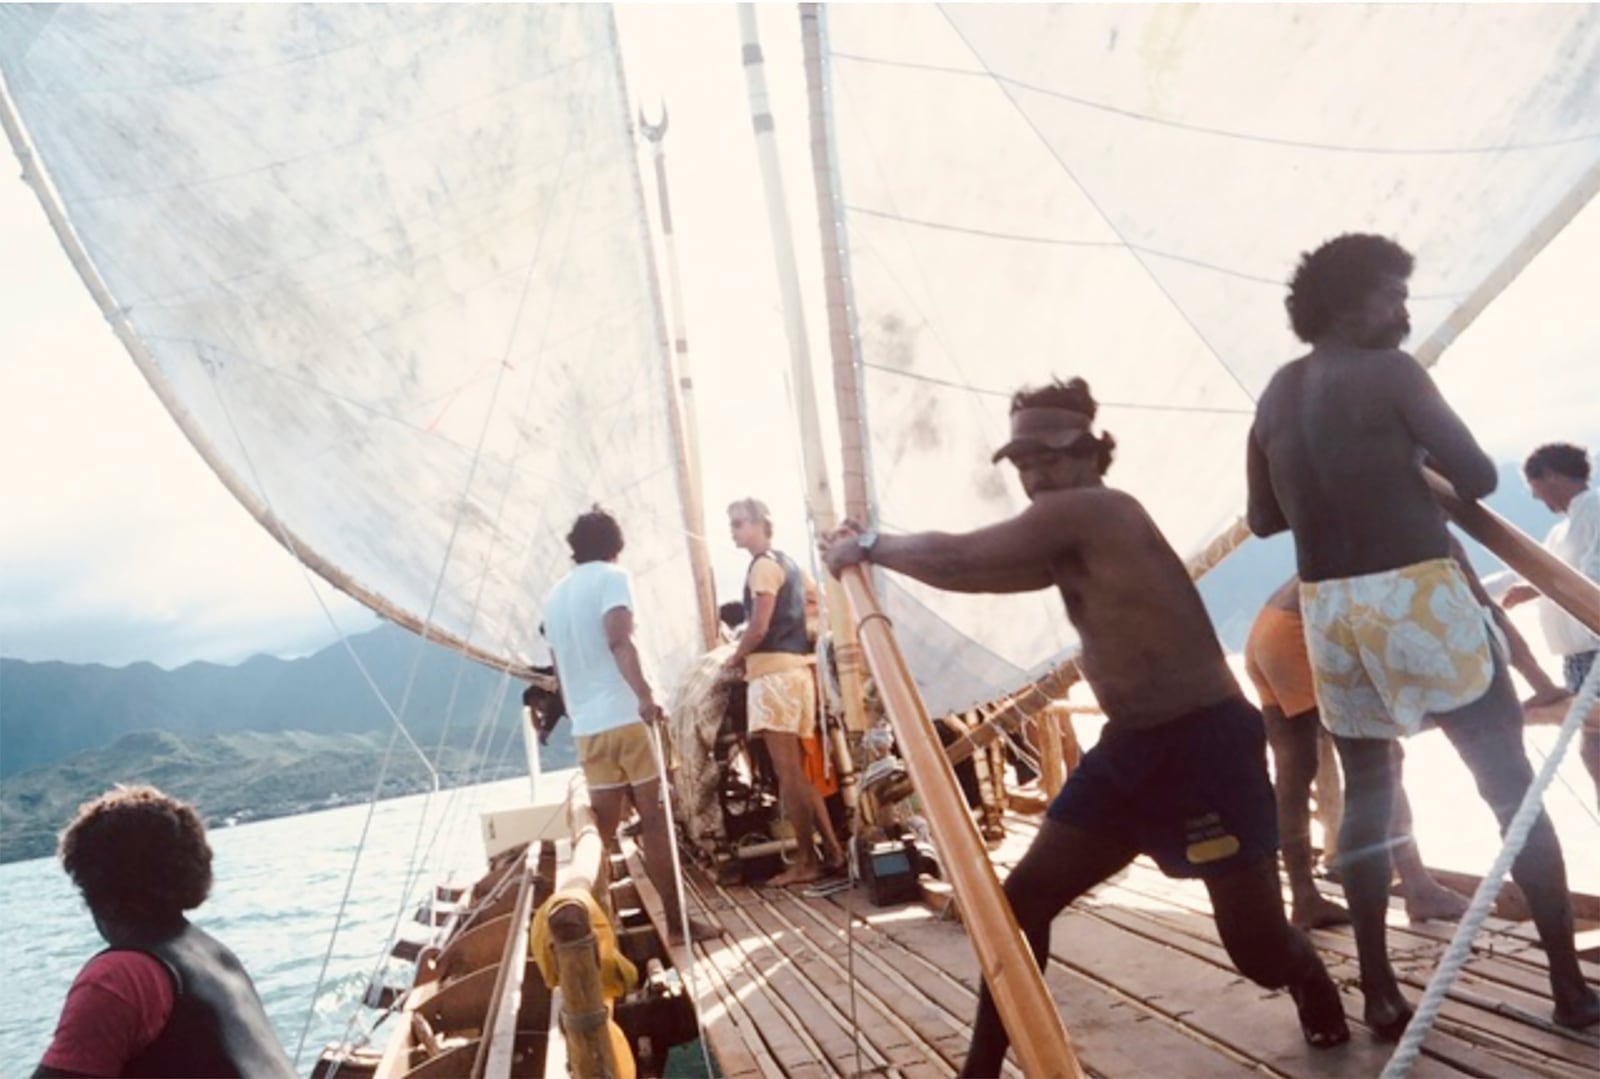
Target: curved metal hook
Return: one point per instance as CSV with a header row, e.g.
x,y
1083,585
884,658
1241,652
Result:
x,y
653,132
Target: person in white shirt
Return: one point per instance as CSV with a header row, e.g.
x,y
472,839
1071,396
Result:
x,y
1558,475
588,621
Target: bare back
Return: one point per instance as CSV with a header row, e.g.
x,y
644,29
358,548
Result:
x,y
1336,455
1149,650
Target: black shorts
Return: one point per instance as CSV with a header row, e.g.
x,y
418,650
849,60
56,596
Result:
x,y
1193,793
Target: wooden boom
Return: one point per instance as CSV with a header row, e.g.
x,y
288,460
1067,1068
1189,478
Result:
x,y
1569,589
1014,980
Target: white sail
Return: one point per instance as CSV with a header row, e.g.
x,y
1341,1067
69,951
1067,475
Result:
x,y
1120,192
388,267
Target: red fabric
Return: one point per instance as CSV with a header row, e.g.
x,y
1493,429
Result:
x,y
117,1005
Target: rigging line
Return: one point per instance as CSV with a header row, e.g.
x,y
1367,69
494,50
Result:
x,y
234,72
901,372
1053,241
1224,133
1095,203
293,377
939,337
187,184
446,239
1516,834
461,504
398,730
493,710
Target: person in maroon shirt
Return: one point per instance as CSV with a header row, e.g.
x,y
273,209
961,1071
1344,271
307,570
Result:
x,y
165,998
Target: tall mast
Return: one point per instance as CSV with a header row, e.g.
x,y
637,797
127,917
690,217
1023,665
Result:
x,y
685,426
819,494
859,503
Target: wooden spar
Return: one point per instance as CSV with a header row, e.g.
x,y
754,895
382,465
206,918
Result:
x,y
680,400
1565,586
819,493
842,336
584,1010
1014,979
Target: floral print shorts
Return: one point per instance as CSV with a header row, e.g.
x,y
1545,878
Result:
x,y
1388,650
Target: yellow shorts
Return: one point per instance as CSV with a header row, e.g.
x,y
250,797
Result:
x,y
784,701
1390,649
620,757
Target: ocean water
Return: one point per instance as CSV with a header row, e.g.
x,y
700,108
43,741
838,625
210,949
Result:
x,y
278,888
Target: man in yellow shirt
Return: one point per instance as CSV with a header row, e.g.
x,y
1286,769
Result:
x,y
775,652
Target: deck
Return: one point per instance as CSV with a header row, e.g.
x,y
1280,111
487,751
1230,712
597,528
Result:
x,y
836,986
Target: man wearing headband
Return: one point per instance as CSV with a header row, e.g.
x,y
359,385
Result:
x,y
1180,770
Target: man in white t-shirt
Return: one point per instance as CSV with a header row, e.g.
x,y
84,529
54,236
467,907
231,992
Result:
x,y
1558,475
588,620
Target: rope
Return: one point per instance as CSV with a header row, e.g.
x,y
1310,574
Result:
x,y
677,883
1460,950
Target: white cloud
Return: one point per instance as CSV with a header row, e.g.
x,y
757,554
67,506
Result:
x,y
119,543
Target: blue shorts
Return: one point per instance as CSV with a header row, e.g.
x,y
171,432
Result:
x,y
1193,793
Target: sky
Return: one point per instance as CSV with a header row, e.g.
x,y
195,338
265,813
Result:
x,y
117,543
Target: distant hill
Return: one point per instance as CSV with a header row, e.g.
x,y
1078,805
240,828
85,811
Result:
x,y
266,738
49,711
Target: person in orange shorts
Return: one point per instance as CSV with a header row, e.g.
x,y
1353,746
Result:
x,y
1275,659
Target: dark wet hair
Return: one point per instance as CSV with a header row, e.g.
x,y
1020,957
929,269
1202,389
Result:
x,y
1337,276
1562,458
753,509
1074,395
138,855
595,537
731,614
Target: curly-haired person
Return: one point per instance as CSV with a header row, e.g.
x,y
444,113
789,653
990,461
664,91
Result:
x,y
1558,476
1394,633
164,998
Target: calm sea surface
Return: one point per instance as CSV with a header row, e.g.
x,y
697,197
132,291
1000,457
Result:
x,y
278,889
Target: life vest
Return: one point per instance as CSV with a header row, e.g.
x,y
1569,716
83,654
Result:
x,y
787,631
218,1026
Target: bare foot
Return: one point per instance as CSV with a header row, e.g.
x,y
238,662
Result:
x,y
1584,1012
1387,1015
1315,912
797,874
1321,1011
1436,903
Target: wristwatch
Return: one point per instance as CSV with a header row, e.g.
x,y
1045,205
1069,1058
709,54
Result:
x,y
867,541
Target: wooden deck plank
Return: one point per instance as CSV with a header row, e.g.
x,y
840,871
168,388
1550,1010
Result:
x,y
1470,1032
1504,1012
918,1025
734,1035
1112,1033
788,971
855,950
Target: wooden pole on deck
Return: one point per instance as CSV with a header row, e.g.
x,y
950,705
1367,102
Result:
x,y
1014,979
680,399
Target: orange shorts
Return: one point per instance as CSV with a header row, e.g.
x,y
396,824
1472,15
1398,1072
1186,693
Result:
x,y
1276,660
